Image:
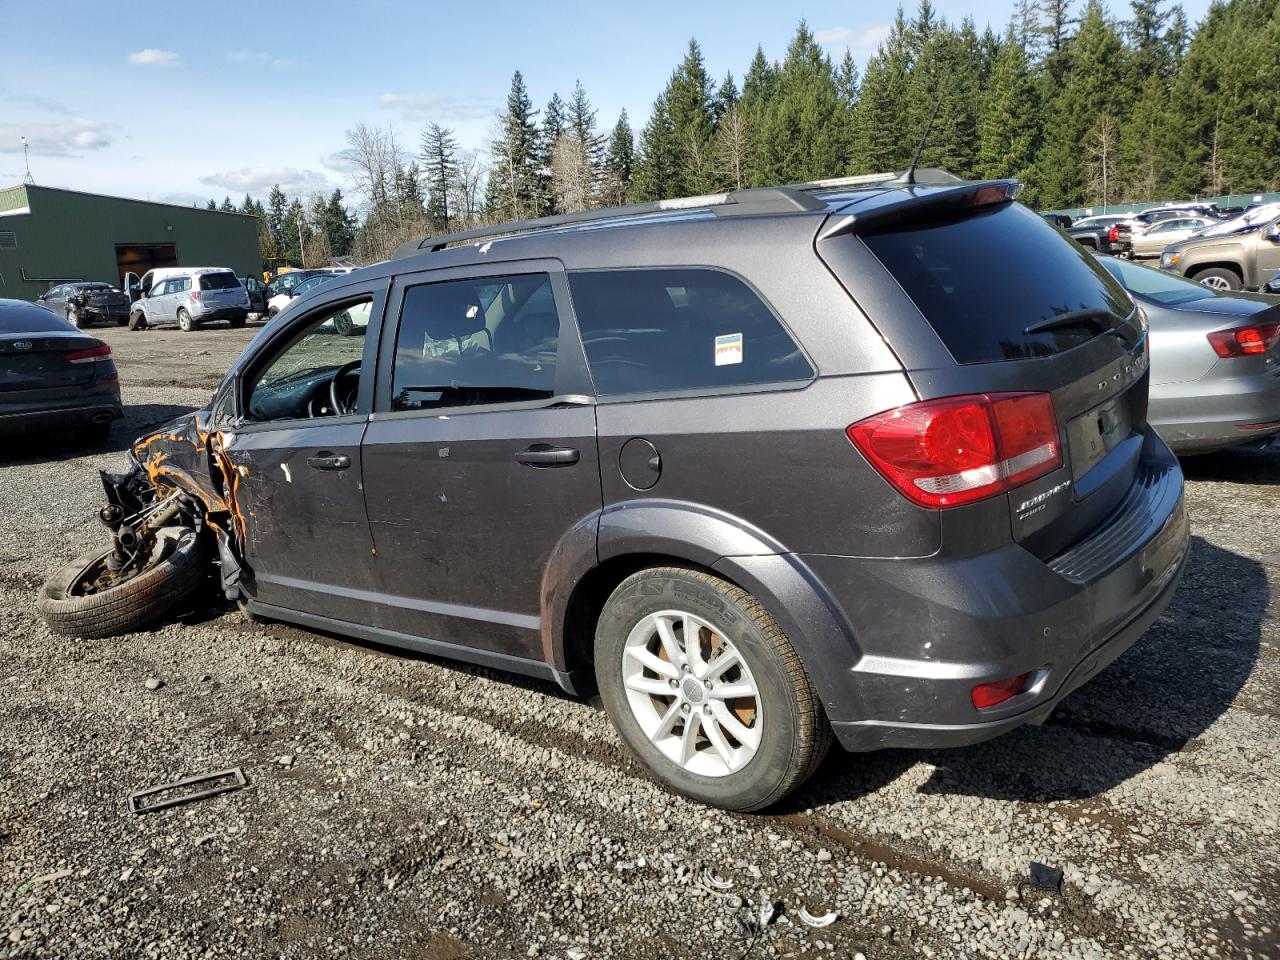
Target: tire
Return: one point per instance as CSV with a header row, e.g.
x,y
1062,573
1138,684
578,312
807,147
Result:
x,y
344,324
1219,278
129,606
77,320
97,432
792,733
239,321
185,323
137,320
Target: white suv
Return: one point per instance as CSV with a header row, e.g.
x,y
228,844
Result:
x,y
187,296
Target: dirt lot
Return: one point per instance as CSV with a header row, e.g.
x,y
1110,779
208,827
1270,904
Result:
x,y
404,807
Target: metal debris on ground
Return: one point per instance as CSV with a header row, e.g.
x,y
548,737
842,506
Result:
x,y
769,912
714,882
1042,879
809,920
187,790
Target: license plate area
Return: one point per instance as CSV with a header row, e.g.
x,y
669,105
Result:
x,y
1095,433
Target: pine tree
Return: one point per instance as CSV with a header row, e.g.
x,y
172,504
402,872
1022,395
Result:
x,y
758,88
676,145
277,207
514,183
726,97
659,168
880,132
439,149
337,226
1007,131
580,120
227,205
619,162
847,81
944,85
805,131
211,205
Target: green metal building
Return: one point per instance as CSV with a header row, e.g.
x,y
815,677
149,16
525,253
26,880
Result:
x,y
50,236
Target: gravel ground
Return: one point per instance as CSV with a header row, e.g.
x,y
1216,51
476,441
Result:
x,y
404,807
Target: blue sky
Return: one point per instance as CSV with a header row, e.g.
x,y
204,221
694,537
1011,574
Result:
x,y
193,103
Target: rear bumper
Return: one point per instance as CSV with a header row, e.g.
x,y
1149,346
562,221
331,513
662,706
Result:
x,y
1217,412
81,413
221,313
928,630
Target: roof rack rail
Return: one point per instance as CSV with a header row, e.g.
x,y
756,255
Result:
x,y
736,203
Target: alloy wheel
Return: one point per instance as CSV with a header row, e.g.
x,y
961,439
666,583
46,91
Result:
x,y
1217,283
692,693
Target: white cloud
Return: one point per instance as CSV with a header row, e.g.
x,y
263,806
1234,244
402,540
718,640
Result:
x,y
441,108
259,180
56,139
339,163
151,57
865,38
262,58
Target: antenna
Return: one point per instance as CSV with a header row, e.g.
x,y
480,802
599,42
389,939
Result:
x,y
909,175
28,180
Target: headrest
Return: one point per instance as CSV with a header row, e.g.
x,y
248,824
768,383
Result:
x,y
454,311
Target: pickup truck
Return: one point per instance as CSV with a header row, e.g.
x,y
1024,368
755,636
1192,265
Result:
x,y
1243,260
1098,239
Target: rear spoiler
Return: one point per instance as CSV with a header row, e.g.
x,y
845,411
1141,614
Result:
x,y
907,205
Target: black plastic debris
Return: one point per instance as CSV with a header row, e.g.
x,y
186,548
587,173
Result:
x,y
186,790
1042,879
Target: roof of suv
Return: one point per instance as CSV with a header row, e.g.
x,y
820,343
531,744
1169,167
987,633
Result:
x,y
870,192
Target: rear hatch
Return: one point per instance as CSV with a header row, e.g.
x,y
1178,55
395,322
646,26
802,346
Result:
x,y
48,360
978,295
222,289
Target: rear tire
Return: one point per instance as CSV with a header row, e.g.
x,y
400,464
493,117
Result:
x,y
781,733
129,606
137,320
238,321
1219,278
185,323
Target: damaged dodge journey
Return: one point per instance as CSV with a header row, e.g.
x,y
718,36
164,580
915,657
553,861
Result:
x,y
862,460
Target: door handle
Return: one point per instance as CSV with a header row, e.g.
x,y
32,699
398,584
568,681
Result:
x,y
327,461
542,455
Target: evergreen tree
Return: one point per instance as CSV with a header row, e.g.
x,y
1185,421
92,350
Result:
x,y
1007,133
847,81
944,85
580,120
227,206
336,225
514,188
277,207
659,169
211,205
726,97
880,131
439,150
295,232
247,207
805,129
619,162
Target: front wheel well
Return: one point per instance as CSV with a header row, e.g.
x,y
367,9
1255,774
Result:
x,y
1200,268
588,598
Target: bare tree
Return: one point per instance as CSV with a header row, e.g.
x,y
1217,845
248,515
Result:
x,y
732,147
573,175
1102,153
468,189
374,154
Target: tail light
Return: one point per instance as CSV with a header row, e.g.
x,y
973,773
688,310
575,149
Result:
x,y
958,450
196,294
1114,233
1244,341
100,352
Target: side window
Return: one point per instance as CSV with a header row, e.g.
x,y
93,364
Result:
x,y
476,341
295,383
183,285
649,331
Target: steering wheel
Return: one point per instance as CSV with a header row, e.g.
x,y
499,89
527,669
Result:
x,y
340,409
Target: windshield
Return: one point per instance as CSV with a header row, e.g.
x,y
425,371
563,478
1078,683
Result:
x,y
1155,284
982,282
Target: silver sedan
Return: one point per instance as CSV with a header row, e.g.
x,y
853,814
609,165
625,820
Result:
x,y
1152,241
1215,359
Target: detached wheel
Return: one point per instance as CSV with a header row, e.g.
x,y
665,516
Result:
x,y
185,323
705,689
344,325
1220,278
73,603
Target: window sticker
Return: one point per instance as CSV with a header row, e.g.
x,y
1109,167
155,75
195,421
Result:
x,y
728,349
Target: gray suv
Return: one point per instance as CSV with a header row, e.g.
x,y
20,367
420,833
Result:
x,y
862,459
192,298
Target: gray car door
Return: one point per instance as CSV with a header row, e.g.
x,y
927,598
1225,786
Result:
x,y
295,461
153,302
481,456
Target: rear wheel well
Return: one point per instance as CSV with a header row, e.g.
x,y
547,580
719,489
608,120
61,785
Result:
x,y
593,590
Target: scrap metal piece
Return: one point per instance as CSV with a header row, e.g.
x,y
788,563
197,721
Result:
x,y
769,912
714,882
234,780
808,919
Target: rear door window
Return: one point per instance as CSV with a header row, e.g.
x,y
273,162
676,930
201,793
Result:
x,y
680,329
981,281
476,341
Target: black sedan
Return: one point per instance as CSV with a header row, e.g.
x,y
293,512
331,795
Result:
x,y
83,302
52,376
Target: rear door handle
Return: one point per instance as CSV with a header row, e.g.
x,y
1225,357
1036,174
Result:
x,y
327,461
542,455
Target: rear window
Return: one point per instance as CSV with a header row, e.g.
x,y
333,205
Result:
x,y
28,319
981,281
648,331
218,281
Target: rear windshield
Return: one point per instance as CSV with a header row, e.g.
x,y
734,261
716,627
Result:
x,y
28,319
218,281
981,281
